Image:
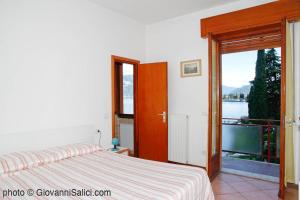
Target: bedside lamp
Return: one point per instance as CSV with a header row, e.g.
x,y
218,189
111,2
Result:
x,y
115,142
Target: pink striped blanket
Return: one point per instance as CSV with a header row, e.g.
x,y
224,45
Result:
x,y
83,171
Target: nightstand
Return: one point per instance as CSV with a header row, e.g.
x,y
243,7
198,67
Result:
x,y
121,150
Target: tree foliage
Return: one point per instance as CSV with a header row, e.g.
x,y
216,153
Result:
x,y
273,78
257,101
264,96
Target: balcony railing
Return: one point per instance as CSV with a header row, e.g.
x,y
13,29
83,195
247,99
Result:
x,y
256,137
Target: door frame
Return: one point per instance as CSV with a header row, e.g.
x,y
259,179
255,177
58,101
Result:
x,y
282,110
118,59
210,168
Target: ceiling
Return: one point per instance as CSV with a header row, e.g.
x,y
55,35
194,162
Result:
x,y
150,11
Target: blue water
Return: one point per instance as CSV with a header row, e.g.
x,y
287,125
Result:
x,y
230,109
128,105
234,109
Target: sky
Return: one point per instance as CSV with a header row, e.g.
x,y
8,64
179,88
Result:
x,y
239,68
127,69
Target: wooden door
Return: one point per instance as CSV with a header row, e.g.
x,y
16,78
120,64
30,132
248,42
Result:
x,y
152,110
215,115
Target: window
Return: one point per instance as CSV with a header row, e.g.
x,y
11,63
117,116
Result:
x,y
126,89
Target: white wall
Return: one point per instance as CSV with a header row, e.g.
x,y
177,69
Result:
x,y
176,40
55,66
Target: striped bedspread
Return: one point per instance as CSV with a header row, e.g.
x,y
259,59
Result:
x,y
97,174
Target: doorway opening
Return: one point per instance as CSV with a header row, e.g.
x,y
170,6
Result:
x,y
251,83
247,39
140,107
124,79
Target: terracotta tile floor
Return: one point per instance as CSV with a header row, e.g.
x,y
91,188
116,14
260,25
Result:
x,y
234,187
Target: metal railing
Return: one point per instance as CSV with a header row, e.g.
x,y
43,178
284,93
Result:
x,y
259,137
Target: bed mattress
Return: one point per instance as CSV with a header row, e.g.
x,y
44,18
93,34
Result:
x,y
88,172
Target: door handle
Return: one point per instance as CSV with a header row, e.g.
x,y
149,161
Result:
x,y
164,116
290,122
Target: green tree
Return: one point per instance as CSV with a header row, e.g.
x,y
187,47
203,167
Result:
x,y
273,78
257,99
242,96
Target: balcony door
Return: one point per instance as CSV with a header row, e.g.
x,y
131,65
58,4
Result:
x,y
260,37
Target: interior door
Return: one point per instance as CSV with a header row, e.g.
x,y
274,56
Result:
x,y
152,110
214,117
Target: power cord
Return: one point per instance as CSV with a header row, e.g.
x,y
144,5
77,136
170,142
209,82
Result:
x,y
100,133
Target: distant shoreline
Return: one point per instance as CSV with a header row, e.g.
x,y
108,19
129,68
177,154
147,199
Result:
x,y
234,101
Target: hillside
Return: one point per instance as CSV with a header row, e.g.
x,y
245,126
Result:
x,y
242,90
128,85
226,90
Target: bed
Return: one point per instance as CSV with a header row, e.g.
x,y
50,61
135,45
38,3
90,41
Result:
x,y
85,171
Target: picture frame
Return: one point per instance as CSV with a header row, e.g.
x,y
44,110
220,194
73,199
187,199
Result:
x,y
190,68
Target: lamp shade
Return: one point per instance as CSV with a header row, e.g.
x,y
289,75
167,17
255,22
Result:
x,y
115,141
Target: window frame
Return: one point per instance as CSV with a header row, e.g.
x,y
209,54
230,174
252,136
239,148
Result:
x,y
120,92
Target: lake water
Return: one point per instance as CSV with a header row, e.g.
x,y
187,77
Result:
x,y
128,105
234,109
230,109
236,138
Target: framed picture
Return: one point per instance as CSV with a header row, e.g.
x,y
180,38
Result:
x,y
190,68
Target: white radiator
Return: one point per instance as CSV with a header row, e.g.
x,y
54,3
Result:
x,y
178,138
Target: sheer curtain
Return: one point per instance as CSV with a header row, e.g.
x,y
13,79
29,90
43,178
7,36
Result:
x,y
290,143
296,43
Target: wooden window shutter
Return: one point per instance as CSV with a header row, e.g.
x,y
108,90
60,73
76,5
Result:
x,y
251,39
